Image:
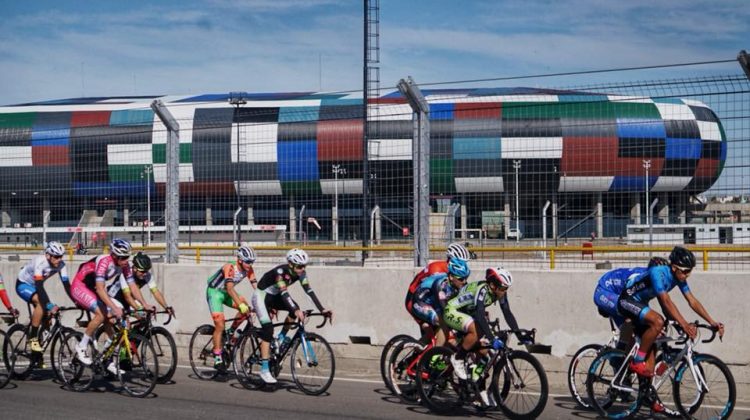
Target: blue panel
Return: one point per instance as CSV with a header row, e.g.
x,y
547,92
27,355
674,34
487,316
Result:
x,y
50,137
132,117
723,151
441,111
298,160
683,149
211,97
298,113
340,102
476,148
668,101
111,189
641,128
631,183
582,98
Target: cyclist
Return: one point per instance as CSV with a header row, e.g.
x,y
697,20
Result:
x,y
272,294
427,302
467,313
624,294
220,291
454,251
123,295
30,286
89,291
6,300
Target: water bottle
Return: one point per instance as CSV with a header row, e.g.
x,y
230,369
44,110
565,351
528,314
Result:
x,y
234,336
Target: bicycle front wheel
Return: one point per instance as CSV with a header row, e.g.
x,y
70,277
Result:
x,y
4,368
201,352
614,394
434,377
385,357
138,369
717,397
313,364
578,370
166,353
402,368
16,352
247,362
520,382
75,375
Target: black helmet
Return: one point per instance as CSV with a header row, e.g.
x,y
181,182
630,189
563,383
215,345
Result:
x,y
141,262
682,258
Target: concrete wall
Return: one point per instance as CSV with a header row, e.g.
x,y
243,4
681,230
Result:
x,y
369,302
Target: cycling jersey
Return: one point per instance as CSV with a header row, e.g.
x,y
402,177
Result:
x,y
96,270
39,268
430,297
4,295
433,267
272,291
228,272
469,306
655,281
117,288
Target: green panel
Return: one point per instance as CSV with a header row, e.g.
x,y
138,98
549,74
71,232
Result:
x,y
125,172
159,152
636,110
539,110
441,176
300,188
18,119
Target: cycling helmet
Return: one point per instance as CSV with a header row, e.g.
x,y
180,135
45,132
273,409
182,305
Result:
x,y
456,250
120,247
458,268
655,261
141,262
499,276
246,254
682,258
297,256
55,249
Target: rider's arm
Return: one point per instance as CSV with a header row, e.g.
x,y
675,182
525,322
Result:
x,y
698,308
290,304
481,319
311,293
670,309
101,286
136,292
233,293
4,296
508,315
65,279
43,297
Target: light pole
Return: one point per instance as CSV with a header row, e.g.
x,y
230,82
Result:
x,y
147,174
336,169
647,166
517,166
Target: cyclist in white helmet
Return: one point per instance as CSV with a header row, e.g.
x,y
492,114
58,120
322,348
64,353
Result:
x,y
272,294
30,286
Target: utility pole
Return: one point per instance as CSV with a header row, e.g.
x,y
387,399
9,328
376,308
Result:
x,y
147,173
647,166
517,166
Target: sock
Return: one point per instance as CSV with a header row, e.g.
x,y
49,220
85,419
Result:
x,y
264,365
85,341
461,353
33,332
640,356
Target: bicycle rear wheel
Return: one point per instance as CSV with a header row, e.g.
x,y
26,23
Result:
x,y
402,367
578,370
4,368
54,349
75,375
524,388
201,352
613,400
247,362
139,368
715,402
385,357
166,353
434,378
17,352
313,364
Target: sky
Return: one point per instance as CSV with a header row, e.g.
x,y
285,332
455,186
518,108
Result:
x,y
51,49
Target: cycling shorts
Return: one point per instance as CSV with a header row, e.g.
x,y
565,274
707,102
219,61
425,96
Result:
x,y
632,309
606,301
85,297
217,299
25,291
457,320
263,301
424,311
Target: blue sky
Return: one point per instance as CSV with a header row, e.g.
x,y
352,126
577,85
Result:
x,y
60,49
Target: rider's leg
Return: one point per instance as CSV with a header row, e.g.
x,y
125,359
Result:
x,y
218,318
36,317
655,324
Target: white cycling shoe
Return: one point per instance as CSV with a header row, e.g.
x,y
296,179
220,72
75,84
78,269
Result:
x,y
459,367
487,399
267,377
112,368
82,356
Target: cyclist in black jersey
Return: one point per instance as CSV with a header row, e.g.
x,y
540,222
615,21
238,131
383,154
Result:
x,y
121,292
272,294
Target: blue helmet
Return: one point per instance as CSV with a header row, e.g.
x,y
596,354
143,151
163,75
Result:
x,y
458,268
120,247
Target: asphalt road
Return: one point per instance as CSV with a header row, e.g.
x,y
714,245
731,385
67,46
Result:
x,y
351,397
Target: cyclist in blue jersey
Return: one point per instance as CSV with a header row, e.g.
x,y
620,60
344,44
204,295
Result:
x,y
625,293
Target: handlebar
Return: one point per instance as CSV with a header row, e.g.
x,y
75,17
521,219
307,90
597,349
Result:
x,y
310,313
683,338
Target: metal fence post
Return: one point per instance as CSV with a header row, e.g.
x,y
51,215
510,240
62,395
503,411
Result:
x,y
172,199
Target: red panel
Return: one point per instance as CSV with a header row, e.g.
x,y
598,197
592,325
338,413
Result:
x,y
588,156
90,118
340,140
212,189
634,167
708,168
474,110
50,156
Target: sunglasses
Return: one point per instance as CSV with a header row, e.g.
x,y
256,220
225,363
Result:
x,y
299,266
684,271
119,258
56,257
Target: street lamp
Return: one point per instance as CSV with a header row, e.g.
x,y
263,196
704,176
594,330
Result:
x,y
147,174
517,166
647,166
237,99
336,169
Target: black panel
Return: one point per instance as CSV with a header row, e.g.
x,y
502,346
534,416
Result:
x,y
213,117
56,119
440,128
679,167
477,128
391,178
256,115
441,147
700,184
254,171
41,178
15,136
534,175
682,129
88,156
711,149
580,127
397,129
637,147
340,112
297,131
212,161
522,127
704,114
104,135
477,167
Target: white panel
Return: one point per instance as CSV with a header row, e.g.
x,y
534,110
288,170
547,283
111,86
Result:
x,y
345,186
386,112
15,156
671,183
129,154
531,147
675,111
709,130
483,184
184,115
585,183
257,142
399,149
186,172
272,187
635,99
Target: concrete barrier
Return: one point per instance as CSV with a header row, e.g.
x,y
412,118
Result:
x,y
368,303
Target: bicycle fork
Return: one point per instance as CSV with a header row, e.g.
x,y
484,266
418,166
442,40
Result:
x,y
308,351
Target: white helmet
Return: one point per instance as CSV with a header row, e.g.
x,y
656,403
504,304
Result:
x,y
246,254
297,256
54,249
499,276
120,247
456,250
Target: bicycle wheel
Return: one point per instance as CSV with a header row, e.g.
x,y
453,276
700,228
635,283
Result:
x,y
247,362
520,385
4,368
385,357
74,374
313,364
201,352
613,395
578,370
54,349
402,367
166,353
434,378
139,368
663,386
718,396
16,352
